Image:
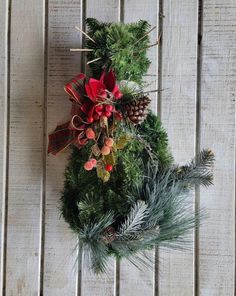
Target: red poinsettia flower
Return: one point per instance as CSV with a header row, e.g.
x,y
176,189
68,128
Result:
x,y
109,80
102,93
96,90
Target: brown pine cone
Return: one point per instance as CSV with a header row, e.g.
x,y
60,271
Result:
x,y
137,110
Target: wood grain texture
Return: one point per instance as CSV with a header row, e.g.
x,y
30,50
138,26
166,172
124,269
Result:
x,y
103,10
102,285
3,122
132,280
217,131
146,10
25,155
60,270
178,113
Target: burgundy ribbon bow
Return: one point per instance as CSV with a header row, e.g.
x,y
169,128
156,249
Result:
x,y
86,108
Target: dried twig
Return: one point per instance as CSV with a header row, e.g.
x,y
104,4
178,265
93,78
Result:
x,y
81,49
77,28
154,44
145,35
92,61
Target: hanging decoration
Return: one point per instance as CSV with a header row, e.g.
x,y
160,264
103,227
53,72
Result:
x,y
123,195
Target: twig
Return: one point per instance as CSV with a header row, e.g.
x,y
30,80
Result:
x,y
154,44
77,28
150,91
145,35
154,90
81,49
92,61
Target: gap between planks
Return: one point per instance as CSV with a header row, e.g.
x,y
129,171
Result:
x,y
44,156
156,276
117,262
198,141
83,70
6,145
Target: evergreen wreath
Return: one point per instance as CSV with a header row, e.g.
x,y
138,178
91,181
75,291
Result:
x,y
123,194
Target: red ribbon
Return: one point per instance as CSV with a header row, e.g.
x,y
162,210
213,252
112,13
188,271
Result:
x,y
85,104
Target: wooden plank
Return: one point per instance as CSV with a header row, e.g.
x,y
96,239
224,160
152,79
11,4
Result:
x,y
178,113
217,131
103,10
102,285
134,281
146,10
25,155
3,124
60,271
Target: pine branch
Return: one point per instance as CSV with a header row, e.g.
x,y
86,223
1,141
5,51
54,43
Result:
x,y
94,230
198,171
134,220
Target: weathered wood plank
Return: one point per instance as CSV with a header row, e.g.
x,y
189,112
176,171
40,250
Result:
x,y
60,270
103,10
178,113
217,131
103,285
25,155
146,10
132,280
3,124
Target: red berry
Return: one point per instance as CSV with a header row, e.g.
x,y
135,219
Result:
x,y
90,134
90,119
99,107
107,114
108,167
88,166
109,108
93,161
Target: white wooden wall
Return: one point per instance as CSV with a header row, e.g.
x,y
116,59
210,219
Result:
x,y
195,66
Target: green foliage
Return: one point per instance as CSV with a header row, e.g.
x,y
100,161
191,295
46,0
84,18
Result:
x,y
94,247
144,201
143,204
89,207
83,187
134,221
160,214
197,172
120,47
155,136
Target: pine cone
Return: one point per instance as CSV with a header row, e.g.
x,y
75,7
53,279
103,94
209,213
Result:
x,y
137,110
109,235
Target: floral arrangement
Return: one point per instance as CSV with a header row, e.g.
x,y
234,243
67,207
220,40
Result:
x,y
123,194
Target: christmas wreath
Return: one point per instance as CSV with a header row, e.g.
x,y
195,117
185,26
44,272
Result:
x,y
123,195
